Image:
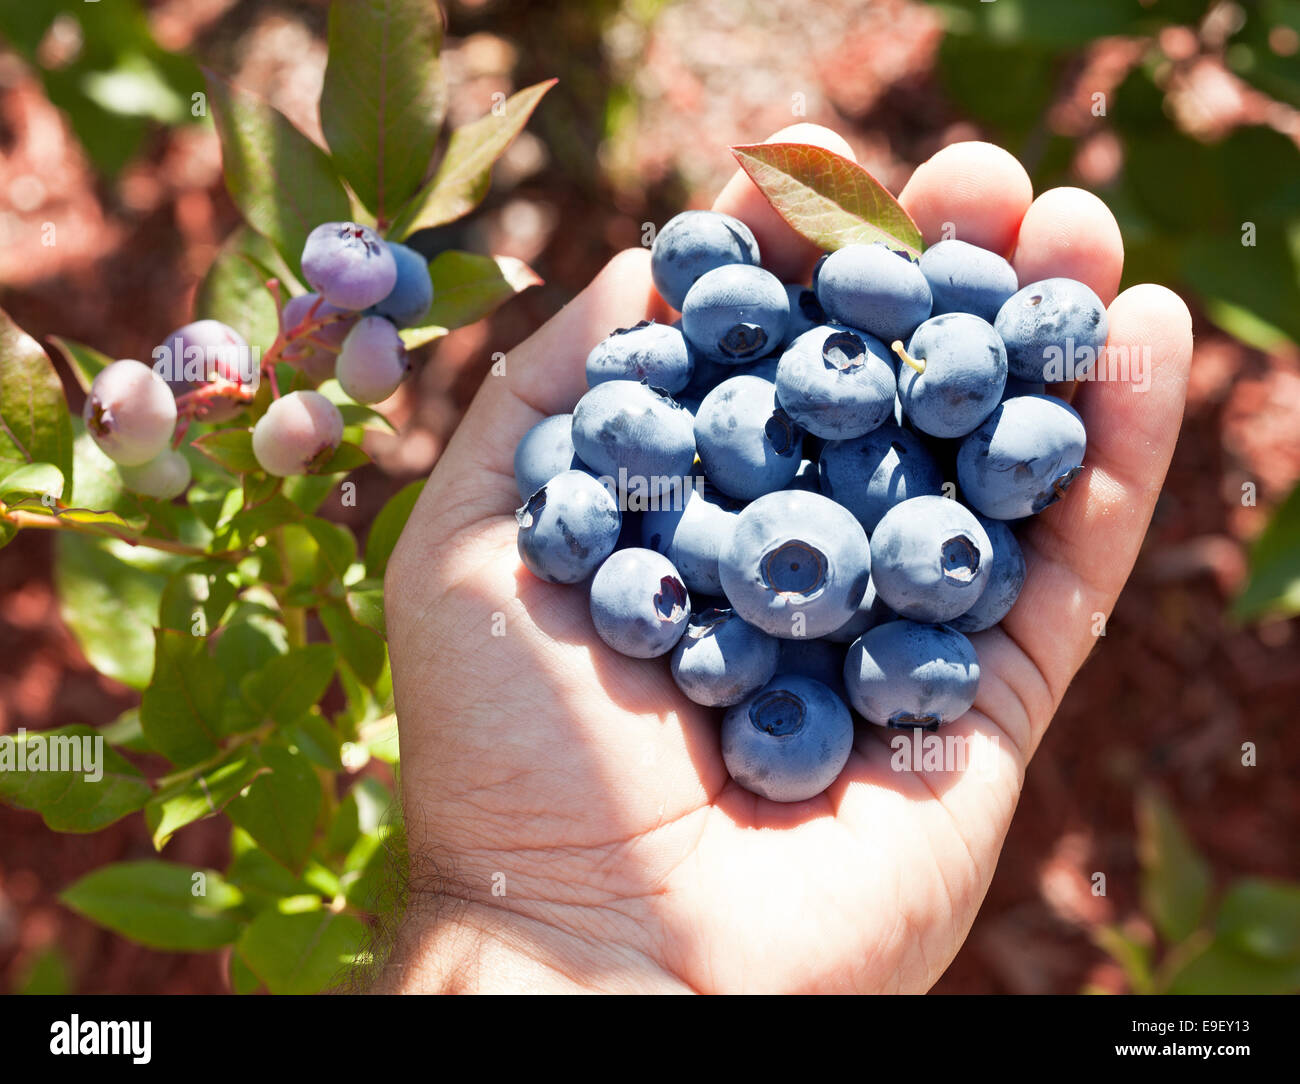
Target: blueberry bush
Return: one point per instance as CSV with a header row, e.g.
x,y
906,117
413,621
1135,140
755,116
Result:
x,y
198,558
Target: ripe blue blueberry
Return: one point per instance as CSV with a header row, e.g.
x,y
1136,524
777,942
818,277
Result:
x,y
748,445
1022,458
412,293
963,368
872,611
691,534
870,474
1015,386
836,383
1006,577
930,559
806,312
635,435
821,660
1054,330
639,604
789,741
966,278
875,289
543,452
721,660
693,243
349,265
736,313
796,565
568,527
657,353
903,674
805,477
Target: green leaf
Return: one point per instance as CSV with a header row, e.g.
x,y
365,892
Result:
x,y
109,605
1225,969
242,979
346,457
1132,955
234,290
230,449
34,422
415,337
280,809
1175,877
197,597
288,685
1262,917
1274,583
827,198
202,794
467,287
84,361
465,172
361,648
318,741
366,603
384,96
125,732
301,953
338,547
387,528
280,180
181,710
158,904
66,799
259,876
47,974
32,480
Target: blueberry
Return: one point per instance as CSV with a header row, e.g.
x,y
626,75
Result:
x,y
748,445
820,660
903,674
705,375
165,476
639,604
349,265
871,612
1006,577
930,559
1015,386
568,527
657,353
966,278
805,477
789,741
130,412
373,361
693,243
635,435
1022,458
545,450
412,293
870,474
836,383
316,353
806,312
797,564
963,370
298,434
721,660
736,313
1054,330
205,351
875,289
692,534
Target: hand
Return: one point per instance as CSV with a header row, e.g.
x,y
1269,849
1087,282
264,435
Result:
x,y
592,795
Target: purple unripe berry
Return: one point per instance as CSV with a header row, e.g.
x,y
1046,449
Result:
x,y
298,434
130,412
165,476
314,354
373,360
349,265
203,351
412,295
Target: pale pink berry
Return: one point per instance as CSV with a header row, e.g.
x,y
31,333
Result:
x,y
130,412
298,434
373,360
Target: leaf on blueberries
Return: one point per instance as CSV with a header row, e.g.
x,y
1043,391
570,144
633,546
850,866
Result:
x,y
827,198
467,286
1175,885
181,710
234,289
387,527
1274,583
384,97
288,685
280,809
199,795
301,953
231,449
465,171
34,423
84,361
283,183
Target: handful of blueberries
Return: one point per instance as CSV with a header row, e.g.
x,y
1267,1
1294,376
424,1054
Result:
x,y
765,488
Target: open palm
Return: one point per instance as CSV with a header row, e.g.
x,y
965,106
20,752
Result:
x,y
569,819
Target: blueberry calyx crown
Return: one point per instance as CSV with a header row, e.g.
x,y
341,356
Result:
x,y
779,713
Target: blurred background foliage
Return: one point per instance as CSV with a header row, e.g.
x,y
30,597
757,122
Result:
x,y
1183,115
